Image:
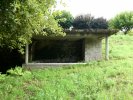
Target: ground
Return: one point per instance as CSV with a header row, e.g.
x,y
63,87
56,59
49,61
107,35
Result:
x,y
98,80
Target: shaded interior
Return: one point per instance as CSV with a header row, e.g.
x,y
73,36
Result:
x,y
57,51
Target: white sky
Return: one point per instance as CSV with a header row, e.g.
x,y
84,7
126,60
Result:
x,y
98,8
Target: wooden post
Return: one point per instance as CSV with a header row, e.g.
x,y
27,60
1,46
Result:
x,y
106,47
26,53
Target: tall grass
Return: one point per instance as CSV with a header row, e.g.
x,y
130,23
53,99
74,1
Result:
x,y
98,80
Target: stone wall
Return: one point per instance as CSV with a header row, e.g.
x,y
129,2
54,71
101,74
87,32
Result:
x,y
93,49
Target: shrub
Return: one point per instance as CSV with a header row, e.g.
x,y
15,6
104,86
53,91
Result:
x,y
83,21
89,22
99,23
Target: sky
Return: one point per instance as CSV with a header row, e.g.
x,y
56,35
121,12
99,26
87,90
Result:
x,y
98,8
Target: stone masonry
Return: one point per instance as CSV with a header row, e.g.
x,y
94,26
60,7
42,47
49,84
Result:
x,y
93,50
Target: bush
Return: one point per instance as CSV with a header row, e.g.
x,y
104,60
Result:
x,y
89,22
64,18
99,23
83,21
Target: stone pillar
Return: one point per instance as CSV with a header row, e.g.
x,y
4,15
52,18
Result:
x,y
93,49
26,53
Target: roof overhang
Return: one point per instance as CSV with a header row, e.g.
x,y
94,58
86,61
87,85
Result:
x,y
81,34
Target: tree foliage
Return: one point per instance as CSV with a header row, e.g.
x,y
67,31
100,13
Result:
x,y
83,21
89,22
64,18
122,21
21,19
99,23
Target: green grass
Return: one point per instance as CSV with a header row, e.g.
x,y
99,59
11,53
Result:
x,y
101,80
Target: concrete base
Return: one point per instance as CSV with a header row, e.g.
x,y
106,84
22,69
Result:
x,y
46,65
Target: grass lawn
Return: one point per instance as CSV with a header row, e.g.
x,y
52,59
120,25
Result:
x,y
101,80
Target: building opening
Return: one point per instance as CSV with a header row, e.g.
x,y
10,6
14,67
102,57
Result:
x,y
57,51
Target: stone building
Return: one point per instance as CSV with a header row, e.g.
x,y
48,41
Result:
x,y
77,46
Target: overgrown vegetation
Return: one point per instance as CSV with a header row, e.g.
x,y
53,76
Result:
x,y
101,80
21,19
87,21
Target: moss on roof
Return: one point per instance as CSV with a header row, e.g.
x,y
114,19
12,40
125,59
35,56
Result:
x,y
92,31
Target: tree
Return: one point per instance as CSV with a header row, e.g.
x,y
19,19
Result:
x,y
64,18
21,19
83,21
89,22
99,23
122,21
